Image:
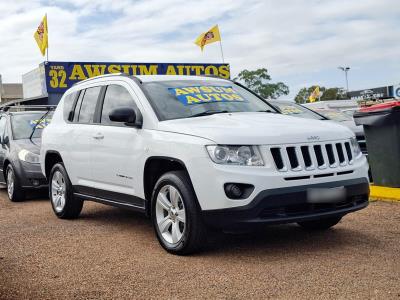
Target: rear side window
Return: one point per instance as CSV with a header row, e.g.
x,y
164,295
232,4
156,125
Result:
x,y
88,105
116,96
68,106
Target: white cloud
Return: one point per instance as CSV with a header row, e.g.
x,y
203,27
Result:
x,y
290,38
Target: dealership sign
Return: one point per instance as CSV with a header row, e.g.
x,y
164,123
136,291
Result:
x,y
396,91
375,93
60,76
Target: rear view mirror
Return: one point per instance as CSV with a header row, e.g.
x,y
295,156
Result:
x,y
125,115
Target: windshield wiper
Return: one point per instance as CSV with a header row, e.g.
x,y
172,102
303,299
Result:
x,y
209,112
37,124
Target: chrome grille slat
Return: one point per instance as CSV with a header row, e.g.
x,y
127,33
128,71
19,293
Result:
x,y
325,156
285,158
300,158
335,154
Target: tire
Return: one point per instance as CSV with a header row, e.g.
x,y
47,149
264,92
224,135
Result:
x,y
177,220
15,191
61,195
321,224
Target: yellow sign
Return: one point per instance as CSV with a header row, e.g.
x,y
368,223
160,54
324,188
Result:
x,y
314,95
211,36
62,75
205,94
41,36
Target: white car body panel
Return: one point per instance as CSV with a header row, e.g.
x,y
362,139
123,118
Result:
x,y
123,151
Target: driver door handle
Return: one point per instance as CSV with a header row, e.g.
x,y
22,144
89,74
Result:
x,y
98,136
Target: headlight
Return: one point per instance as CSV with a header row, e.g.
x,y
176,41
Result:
x,y
28,156
355,146
235,155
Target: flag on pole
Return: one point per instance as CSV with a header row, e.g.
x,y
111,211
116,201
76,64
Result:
x,y
41,36
211,36
314,95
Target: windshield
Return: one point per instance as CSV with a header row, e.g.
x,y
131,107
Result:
x,y
333,114
349,112
192,98
296,110
23,124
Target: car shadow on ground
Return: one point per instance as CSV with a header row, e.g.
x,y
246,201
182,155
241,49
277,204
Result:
x,y
271,239
30,195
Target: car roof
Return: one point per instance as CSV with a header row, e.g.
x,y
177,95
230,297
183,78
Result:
x,y
13,113
150,78
154,78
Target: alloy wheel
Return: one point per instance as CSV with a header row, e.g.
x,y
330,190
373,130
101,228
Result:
x,y
170,214
58,189
10,183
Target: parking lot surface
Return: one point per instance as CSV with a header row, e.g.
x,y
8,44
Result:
x,y
113,253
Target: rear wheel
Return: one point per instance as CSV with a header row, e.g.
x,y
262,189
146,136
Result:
x,y
321,224
176,216
15,191
64,204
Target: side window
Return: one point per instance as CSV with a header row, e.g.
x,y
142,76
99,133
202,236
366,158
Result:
x,y
116,96
88,105
3,122
68,106
78,106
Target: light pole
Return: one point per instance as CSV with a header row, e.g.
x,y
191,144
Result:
x,y
345,70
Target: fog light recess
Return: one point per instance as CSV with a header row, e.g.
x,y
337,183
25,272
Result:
x,y
238,190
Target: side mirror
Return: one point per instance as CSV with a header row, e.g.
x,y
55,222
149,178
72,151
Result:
x,y
125,115
5,140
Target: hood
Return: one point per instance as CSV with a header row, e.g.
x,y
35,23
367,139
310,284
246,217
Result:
x,y
28,145
254,128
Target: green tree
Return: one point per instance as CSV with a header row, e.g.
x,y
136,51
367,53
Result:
x,y
334,94
258,82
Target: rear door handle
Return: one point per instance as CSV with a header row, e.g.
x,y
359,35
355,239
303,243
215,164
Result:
x,y
98,136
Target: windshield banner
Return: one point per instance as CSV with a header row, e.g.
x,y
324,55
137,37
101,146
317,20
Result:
x,y
205,94
42,125
290,110
60,76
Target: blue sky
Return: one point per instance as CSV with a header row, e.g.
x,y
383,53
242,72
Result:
x,y
300,42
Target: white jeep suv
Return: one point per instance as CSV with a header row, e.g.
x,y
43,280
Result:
x,y
193,152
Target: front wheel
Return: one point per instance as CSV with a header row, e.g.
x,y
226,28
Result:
x,y
321,224
64,204
176,216
14,190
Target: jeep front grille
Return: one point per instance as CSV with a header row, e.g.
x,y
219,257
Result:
x,y
312,156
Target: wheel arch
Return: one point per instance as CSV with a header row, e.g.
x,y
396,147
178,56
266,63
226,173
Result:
x,y
5,165
52,157
154,168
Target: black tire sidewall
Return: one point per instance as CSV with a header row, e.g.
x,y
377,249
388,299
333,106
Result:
x,y
71,204
18,193
177,180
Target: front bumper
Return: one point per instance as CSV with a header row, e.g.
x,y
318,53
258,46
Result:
x,y
289,205
31,176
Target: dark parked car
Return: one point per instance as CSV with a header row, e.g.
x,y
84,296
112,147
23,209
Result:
x,y
20,139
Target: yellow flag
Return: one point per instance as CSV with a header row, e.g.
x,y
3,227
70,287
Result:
x,y
41,36
208,37
314,95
